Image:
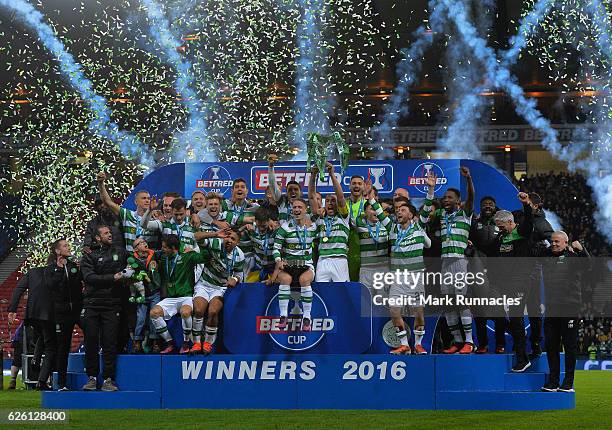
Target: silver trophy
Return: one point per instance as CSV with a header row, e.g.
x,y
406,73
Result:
x,y
215,172
377,173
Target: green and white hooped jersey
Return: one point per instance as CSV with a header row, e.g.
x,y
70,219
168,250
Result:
x,y
373,238
454,229
222,216
130,226
293,243
222,264
333,233
235,216
407,247
184,231
263,246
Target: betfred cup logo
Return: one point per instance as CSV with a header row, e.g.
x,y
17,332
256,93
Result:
x,y
418,179
376,173
215,179
292,337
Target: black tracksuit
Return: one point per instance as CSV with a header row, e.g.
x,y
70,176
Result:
x,y
68,301
102,306
542,230
512,275
562,273
40,312
483,234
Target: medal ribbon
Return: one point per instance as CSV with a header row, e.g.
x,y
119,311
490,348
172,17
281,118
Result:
x,y
171,271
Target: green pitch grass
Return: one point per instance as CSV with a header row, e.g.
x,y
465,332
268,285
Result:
x,y
593,405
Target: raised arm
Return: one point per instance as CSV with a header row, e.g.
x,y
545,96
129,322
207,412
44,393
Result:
x,y
428,203
106,198
276,191
146,222
312,190
469,202
525,228
337,189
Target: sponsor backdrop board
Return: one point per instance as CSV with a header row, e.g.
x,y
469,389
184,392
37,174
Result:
x,y
386,175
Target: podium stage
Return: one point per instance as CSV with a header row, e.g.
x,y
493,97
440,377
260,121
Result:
x,y
315,381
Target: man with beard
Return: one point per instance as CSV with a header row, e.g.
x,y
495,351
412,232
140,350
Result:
x,y
224,270
355,205
240,208
282,202
104,217
482,235
262,236
179,224
102,300
454,223
334,229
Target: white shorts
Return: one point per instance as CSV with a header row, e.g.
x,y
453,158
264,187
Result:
x,y
454,266
410,288
173,305
367,273
332,269
206,292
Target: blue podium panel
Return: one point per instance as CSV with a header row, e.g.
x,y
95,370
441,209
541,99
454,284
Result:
x,y
101,400
504,400
369,382
297,382
316,381
471,372
251,317
231,382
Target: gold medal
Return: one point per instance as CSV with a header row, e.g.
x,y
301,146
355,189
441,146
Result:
x,y
325,239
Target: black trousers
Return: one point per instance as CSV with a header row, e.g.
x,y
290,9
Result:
x,y
46,333
557,331
64,328
101,327
516,325
482,332
534,309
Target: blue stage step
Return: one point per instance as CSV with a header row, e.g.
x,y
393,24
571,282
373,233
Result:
x,y
526,381
504,400
101,400
316,381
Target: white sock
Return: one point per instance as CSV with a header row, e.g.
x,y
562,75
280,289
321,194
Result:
x,y
186,328
418,336
295,296
198,323
306,299
402,335
161,328
452,320
466,322
210,334
284,293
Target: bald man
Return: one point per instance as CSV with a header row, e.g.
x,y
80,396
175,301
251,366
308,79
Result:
x,y
401,192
